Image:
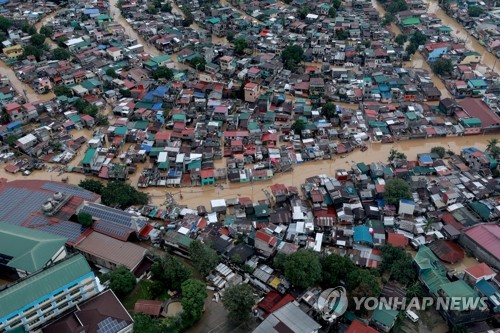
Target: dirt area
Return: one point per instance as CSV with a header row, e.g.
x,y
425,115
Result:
x,y
173,309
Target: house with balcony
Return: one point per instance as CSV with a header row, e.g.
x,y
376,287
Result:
x,y
32,302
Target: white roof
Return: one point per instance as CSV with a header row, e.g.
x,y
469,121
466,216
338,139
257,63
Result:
x,y
162,157
27,139
183,230
218,203
74,41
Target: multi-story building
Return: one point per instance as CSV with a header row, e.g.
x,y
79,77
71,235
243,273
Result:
x,y
35,300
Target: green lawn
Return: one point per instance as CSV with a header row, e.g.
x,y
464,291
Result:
x,y
141,291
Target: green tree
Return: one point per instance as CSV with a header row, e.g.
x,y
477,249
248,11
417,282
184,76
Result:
x,y
11,139
91,185
334,269
163,72
329,110
418,38
303,269
85,219
401,39
279,262
238,301
362,283
125,92
91,110
63,91
395,154
60,54
30,50
387,19
415,291
28,29
118,193
198,63
395,190
240,45
292,55
396,6
203,257
147,324
332,12
101,120
5,24
411,49
399,263
475,11
298,126
442,66
336,4
166,7
111,72
341,34
47,31
37,40
493,148
61,41
193,299
439,151
170,272
121,280
303,11
188,17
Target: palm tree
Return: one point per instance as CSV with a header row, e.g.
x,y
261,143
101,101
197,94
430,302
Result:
x,y
492,144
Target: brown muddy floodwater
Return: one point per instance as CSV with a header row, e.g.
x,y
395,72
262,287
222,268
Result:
x,y
195,196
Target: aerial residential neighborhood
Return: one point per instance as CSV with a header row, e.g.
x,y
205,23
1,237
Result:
x,y
249,166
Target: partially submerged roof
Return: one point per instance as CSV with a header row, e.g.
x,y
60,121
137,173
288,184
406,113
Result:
x,y
29,249
42,284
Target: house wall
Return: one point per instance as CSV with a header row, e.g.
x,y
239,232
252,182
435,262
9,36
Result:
x,y
479,252
34,315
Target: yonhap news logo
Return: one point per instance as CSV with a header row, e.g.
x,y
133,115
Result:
x,y
423,303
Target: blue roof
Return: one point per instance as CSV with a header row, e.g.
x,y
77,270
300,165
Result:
x,y
149,97
157,106
160,91
406,201
146,147
199,94
486,288
102,47
14,124
425,158
362,234
91,11
470,150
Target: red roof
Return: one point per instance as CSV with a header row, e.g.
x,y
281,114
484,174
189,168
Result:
x,y
358,327
447,251
261,235
207,173
478,109
396,239
151,308
146,230
447,218
486,236
480,270
162,136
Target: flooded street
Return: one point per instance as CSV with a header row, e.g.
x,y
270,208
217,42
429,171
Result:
x,y
47,19
23,88
242,13
417,60
195,196
459,31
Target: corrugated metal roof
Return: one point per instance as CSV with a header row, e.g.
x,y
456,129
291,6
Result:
x,y
41,284
30,249
487,236
112,250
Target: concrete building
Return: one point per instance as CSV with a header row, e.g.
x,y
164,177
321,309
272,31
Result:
x,y
482,240
25,251
251,92
289,318
35,300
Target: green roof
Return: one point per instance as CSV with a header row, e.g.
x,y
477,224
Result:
x,y
471,122
425,259
121,130
434,279
384,316
40,285
461,294
141,125
161,58
410,21
213,20
481,209
30,249
89,154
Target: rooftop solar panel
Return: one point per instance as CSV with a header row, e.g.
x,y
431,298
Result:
x,y
71,230
18,204
110,325
73,190
113,215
